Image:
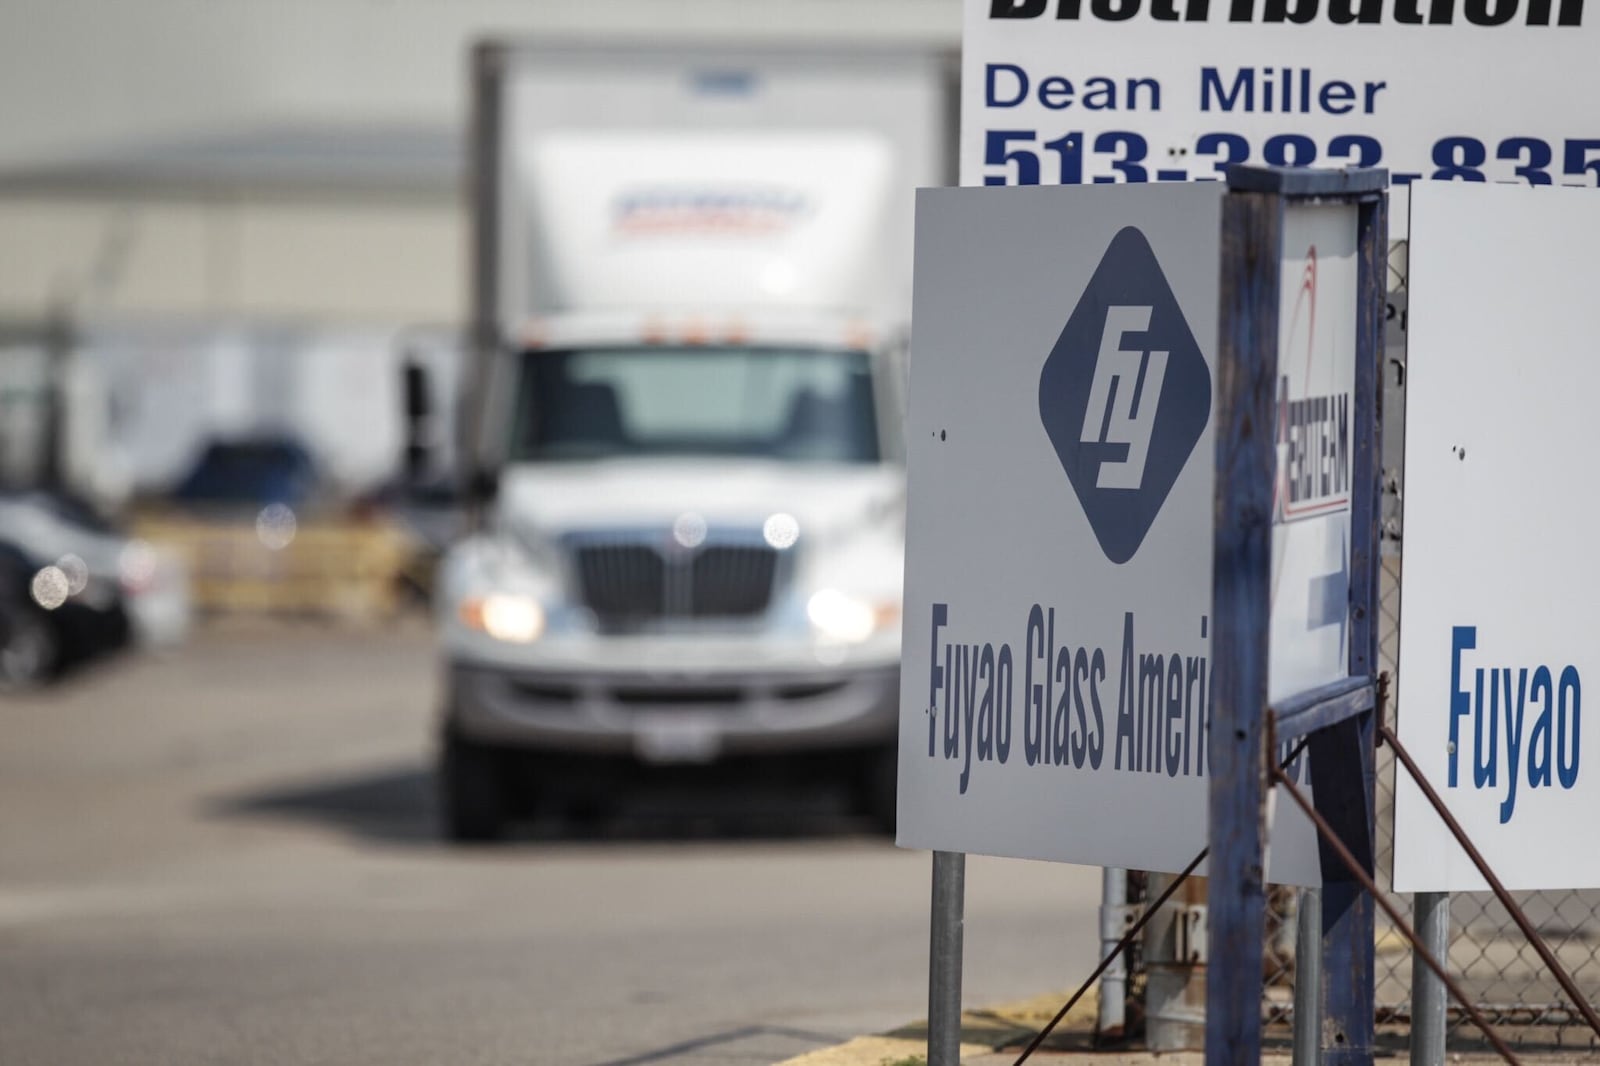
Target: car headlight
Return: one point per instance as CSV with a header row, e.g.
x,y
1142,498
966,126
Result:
x,y
511,618
849,619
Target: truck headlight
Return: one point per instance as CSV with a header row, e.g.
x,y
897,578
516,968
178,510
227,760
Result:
x,y
849,619
511,618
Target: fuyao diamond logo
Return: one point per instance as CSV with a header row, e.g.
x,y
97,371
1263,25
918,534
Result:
x,y
1125,395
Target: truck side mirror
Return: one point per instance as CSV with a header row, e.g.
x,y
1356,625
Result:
x,y
417,396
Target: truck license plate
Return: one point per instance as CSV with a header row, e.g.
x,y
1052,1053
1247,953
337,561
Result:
x,y
676,740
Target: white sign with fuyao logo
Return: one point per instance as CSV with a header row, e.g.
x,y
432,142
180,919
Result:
x,y
1498,640
1056,669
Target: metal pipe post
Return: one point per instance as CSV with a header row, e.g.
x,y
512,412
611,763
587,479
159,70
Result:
x,y
1175,968
1308,979
1428,994
58,353
1114,982
944,958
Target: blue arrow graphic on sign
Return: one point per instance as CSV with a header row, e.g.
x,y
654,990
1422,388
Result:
x,y
1328,599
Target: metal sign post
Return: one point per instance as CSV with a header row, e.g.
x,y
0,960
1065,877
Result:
x,y
1295,590
944,958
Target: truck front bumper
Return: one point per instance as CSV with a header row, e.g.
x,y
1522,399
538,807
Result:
x,y
662,719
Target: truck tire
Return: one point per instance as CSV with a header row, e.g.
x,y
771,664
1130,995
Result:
x,y
876,788
472,791
29,649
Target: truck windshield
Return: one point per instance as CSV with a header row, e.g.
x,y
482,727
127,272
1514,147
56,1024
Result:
x,y
808,405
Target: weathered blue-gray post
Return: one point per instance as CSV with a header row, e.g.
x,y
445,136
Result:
x,y
1337,717
1343,764
1247,360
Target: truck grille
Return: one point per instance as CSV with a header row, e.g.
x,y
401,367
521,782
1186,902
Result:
x,y
628,583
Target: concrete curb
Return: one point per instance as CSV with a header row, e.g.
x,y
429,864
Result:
x,y
993,1036
984,1032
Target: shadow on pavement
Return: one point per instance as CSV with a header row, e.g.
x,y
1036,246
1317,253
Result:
x,y
804,1040
393,805
396,805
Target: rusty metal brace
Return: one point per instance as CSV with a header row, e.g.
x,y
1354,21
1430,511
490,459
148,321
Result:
x,y
1337,846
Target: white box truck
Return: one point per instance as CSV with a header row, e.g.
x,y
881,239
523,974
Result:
x,y
692,287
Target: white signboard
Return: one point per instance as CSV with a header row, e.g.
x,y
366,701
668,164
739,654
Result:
x,y
1069,91
1056,670
1310,641
1498,638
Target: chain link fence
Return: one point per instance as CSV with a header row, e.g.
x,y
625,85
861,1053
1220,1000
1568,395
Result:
x,y
1494,965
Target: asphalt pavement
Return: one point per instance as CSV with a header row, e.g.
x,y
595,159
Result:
x,y
228,855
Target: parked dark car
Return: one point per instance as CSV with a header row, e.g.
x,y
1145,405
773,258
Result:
x,y
254,472
37,643
73,586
